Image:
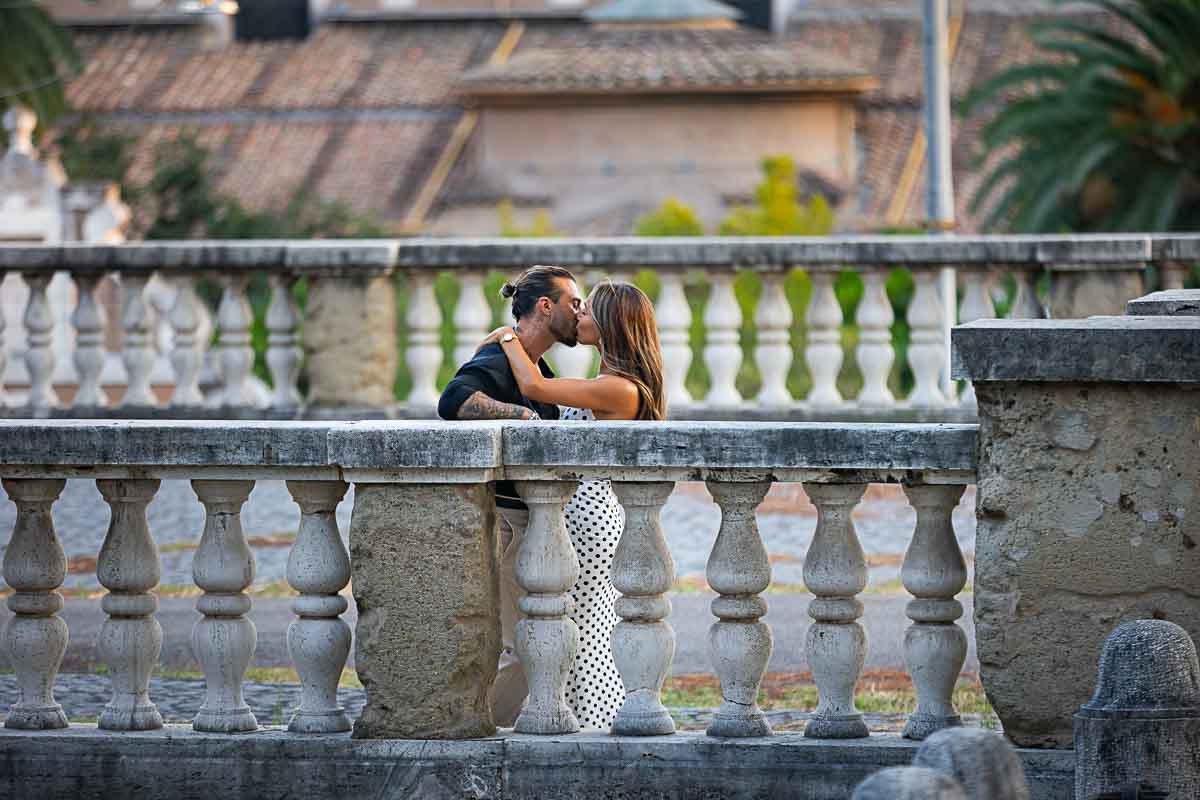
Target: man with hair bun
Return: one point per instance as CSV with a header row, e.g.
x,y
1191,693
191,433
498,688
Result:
x,y
545,304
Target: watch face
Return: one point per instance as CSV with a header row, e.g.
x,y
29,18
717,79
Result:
x,y
508,337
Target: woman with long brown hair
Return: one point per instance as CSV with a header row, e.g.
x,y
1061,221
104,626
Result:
x,y
618,319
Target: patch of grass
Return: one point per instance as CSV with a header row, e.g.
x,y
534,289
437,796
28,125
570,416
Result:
x,y
787,588
278,588
882,692
348,680
178,590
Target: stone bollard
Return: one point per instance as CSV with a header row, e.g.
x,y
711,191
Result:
x,y
909,783
1089,486
1142,725
983,761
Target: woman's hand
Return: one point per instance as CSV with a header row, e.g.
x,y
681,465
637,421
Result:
x,y
495,335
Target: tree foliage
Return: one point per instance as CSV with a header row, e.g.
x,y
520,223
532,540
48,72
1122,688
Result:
x,y
540,226
672,218
37,57
779,211
1105,129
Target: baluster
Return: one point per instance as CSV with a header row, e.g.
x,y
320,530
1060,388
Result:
x,y
131,637
424,352
824,350
674,317
35,637
723,351
223,640
185,356
835,570
283,349
88,320
976,304
643,642
774,351
39,354
1025,304
934,572
472,316
547,638
926,351
739,641
319,639
875,354
236,357
137,352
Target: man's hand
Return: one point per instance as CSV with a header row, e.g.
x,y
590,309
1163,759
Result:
x,y
480,406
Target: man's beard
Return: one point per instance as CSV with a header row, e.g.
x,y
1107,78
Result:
x,y
565,332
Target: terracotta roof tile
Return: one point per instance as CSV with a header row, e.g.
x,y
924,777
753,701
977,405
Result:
x,y
419,65
119,66
272,162
377,166
319,72
637,60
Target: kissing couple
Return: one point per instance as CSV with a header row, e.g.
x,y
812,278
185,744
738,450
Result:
x,y
508,379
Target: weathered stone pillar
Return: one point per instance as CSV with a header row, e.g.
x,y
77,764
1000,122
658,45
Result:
x,y
426,583
350,341
1089,486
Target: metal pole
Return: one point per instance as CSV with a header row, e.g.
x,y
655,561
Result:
x,y
939,197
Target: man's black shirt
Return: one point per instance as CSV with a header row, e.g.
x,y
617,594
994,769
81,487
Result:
x,y
489,372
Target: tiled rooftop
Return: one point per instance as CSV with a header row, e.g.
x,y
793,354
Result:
x,y
360,111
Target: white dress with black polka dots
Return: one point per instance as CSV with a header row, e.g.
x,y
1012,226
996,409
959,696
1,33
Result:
x,y
594,521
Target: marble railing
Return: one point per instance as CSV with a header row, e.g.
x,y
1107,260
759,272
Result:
x,y
738,461
147,339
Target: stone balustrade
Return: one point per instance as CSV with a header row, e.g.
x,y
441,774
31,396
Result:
x,y
158,344
424,565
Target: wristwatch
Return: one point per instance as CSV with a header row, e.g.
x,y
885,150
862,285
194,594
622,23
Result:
x,y
508,337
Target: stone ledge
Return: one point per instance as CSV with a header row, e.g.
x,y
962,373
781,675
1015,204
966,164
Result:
x,y
1097,349
82,763
1169,303
359,257
469,452
696,450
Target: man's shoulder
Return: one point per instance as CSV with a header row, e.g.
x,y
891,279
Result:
x,y
490,356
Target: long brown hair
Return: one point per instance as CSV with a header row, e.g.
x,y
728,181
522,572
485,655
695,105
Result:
x,y
629,344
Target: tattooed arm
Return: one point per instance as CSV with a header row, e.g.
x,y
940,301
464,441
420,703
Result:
x,y
480,406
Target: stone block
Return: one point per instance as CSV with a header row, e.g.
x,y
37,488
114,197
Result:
x,y
1087,497
350,341
983,761
428,637
1142,725
1096,350
1169,303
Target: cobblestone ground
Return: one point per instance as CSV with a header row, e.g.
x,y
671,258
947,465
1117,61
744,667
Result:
x,y
83,698
690,520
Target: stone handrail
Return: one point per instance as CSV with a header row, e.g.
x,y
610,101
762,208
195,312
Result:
x,y
422,500
75,344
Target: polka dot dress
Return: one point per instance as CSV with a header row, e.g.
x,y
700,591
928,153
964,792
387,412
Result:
x,y
594,521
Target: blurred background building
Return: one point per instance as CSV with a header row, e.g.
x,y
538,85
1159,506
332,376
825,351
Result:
x,y
426,115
